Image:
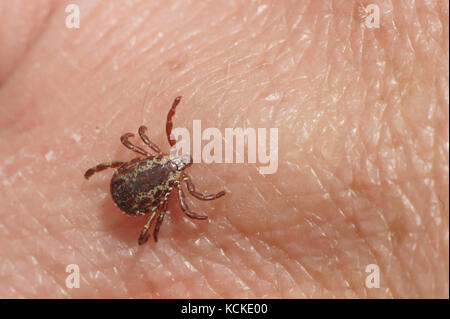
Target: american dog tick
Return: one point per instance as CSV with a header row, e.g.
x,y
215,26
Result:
x,y
145,183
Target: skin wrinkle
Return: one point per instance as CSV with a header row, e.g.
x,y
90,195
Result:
x,y
236,281
57,284
407,267
208,279
353,223
253,266
389,234
88,259
334,245
263,252
423,226
408,275
392,293
304,267
372,251
332,175
316,277
243,259
167,272
148,50
113,25
264,276
124,41
205,62
334,203
292,279
243,276
400,190
182,279
34,38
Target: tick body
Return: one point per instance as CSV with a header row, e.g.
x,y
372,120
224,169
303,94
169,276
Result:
x,y
143,185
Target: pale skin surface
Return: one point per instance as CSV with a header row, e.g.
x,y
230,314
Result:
x,y
363,148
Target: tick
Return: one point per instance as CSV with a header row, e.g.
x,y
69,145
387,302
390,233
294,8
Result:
x,y
144,184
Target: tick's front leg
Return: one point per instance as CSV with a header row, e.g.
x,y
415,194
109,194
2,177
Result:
x,y
101,167
169,120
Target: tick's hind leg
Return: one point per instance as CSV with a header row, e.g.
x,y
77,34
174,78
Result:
x,y
124,139
169,120
146,140
185,208
191,189
101,167
160,220
144,233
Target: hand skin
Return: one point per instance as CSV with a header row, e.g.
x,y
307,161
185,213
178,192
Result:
x,y
362,118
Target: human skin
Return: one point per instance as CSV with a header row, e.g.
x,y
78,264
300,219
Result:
x,y
362,118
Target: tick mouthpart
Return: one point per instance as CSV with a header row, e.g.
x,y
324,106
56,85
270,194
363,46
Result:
x,y
182,161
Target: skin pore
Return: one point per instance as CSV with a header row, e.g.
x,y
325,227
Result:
x,y
362,118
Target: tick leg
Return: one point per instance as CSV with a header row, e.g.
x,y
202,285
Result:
x,y
144,233
146,140
124,139
160,220
191,189
169,120
185,208
101,167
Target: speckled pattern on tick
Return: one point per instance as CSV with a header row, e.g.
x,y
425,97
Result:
x,y
144,184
